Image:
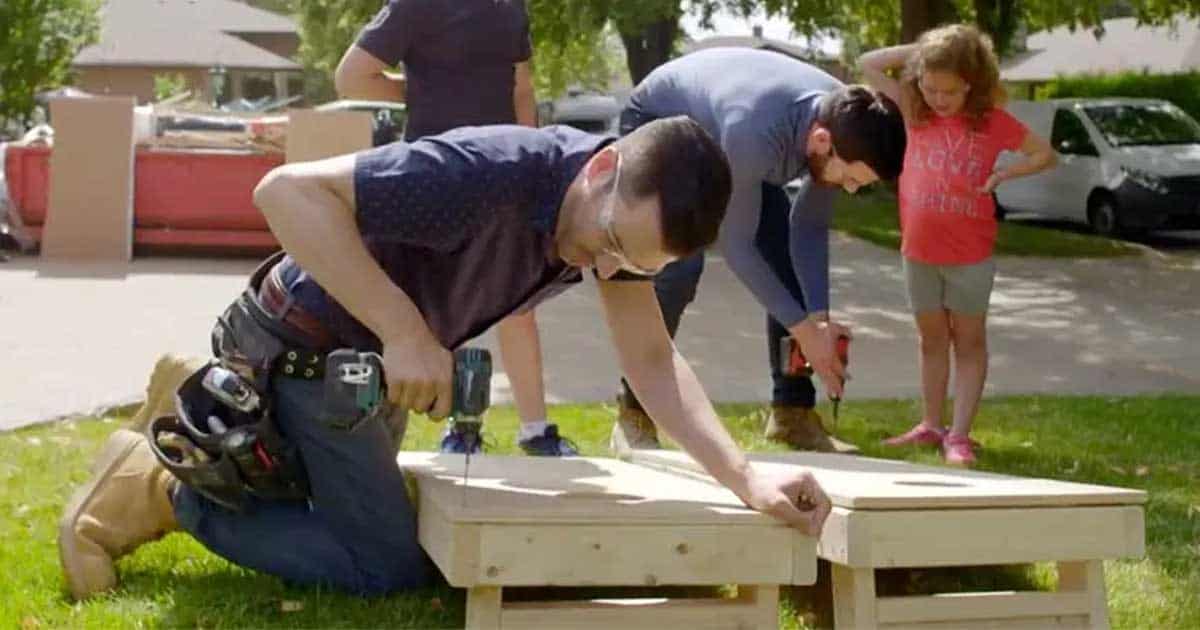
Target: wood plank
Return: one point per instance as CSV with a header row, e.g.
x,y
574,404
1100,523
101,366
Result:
x,y
879,484
1057,622
484,608
977,606
571,490
854,602
647,614
454,547
1086,578
90,201
536,555
929,538
314,135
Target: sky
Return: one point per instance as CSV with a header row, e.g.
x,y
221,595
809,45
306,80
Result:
x,y
774,28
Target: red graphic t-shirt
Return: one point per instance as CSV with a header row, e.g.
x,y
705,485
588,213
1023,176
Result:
x,y
944,218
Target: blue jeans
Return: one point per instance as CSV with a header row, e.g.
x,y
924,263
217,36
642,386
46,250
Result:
x,y
360,533
676,284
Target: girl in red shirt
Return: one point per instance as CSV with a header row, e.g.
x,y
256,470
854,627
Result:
x,y
949,90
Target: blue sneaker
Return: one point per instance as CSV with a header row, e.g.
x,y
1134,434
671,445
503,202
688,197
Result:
x,y
453,441
549,444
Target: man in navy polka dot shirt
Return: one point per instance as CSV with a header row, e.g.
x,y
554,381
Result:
x,y
411,249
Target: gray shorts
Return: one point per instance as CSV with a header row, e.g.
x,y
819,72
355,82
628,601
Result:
x,y
965,289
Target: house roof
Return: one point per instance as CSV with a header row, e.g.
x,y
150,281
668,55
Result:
x,y
751,41
1124,46
176,33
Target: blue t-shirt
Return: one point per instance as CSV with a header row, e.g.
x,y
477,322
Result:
x,y
759,106
458,59
463,223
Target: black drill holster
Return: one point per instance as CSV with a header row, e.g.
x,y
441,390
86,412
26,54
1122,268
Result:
x,y
228,454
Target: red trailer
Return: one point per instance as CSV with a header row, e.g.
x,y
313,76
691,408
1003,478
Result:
x,y
187,197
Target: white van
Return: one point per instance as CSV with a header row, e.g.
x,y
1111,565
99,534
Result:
x,y
1125,165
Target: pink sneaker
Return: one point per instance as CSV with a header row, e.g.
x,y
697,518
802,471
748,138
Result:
x,y
920,434
958,450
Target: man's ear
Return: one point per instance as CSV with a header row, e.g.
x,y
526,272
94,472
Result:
x,y
601,166
820,141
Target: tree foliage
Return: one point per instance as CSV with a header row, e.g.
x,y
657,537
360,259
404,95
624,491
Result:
x,y
38,41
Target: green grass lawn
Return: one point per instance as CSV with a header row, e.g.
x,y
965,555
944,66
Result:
x,y
873,216
1145,442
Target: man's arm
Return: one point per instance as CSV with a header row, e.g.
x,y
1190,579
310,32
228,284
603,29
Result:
x,y
361,75
524,101
310,208
817,337
674,399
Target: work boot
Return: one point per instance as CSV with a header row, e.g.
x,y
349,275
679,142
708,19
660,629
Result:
x,y
632,430
802,429
126,504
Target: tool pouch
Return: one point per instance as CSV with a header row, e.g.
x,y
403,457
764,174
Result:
x,y
226,454
240,454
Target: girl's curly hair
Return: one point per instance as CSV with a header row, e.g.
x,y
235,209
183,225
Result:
x,y
958,49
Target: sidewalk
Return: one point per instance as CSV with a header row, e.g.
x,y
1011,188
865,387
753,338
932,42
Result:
x,y
75,338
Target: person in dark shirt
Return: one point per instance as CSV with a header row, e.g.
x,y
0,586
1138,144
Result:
x,y
467,63
411,249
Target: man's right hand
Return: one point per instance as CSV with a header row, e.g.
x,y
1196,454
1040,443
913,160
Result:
x,y
419,374
818,342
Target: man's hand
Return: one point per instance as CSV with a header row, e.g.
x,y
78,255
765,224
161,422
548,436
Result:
x,y
796,499
419,373
818,342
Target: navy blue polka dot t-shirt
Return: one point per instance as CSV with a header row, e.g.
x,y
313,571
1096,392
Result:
x,y
464,223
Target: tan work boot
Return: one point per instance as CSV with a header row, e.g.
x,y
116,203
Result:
x,y
802,429
632,430
125,505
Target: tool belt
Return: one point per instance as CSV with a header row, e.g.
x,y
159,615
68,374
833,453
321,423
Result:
x,y
223,441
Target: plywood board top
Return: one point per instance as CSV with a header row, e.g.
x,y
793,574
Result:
x,y
571,490
881,484
90,214
314,135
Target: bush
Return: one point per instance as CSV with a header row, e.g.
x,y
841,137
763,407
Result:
x,y
1182,89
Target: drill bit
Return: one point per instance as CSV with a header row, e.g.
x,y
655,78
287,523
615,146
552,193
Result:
x,y
467,467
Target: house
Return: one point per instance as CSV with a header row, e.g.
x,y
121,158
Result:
x,y
1119,45
756,40
223,49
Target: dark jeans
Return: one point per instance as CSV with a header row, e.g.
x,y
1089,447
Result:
x,y
360,533
675,287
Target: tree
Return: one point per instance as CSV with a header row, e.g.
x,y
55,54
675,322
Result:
x,y
38,41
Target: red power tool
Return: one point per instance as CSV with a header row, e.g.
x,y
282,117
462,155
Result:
x,y
793,362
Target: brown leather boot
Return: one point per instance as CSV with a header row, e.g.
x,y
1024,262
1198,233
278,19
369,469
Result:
x,y
632,430
802,429
126,504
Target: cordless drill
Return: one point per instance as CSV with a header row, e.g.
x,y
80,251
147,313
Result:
x,y
472,393
354,387
792,362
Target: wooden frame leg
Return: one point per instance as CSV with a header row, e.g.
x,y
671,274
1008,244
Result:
x,y
765,599
483,608
1087,576
854,601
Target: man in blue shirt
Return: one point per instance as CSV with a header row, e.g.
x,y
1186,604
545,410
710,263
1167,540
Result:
x,y
412,249
466,63
777,119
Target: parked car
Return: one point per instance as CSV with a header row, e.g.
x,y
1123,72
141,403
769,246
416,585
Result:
x,y
1126,165
588,111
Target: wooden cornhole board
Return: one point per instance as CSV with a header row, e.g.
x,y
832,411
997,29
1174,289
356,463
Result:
x,y
90,213
314,135
530,521
895,514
